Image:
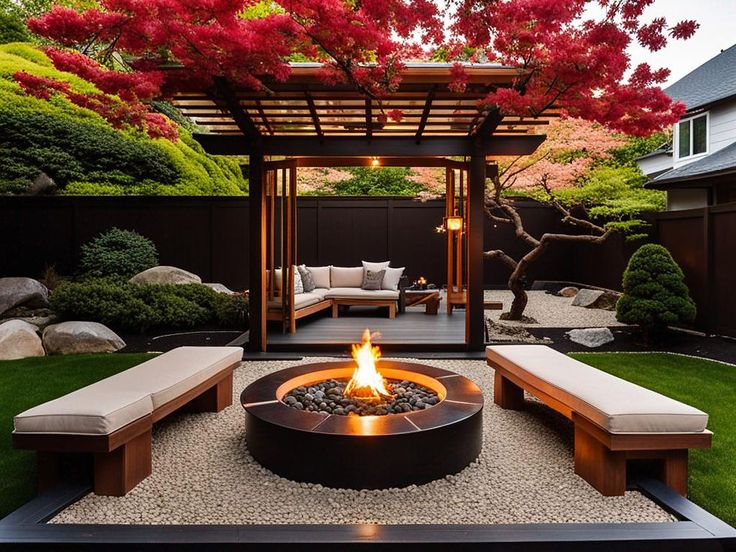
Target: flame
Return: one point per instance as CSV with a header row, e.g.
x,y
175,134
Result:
x,y
367,382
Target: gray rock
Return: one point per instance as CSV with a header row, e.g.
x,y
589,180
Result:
x,y
596,299
80,337
19,339
586,297
22,291
569,291
165,275
591,337
219,288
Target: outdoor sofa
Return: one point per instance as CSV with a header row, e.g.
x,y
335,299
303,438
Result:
x,y
110,421
615,421
334,286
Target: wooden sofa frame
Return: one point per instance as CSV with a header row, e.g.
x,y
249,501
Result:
x,y
121,459
601,456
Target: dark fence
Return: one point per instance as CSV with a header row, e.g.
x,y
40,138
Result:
x,y
209,236
702,242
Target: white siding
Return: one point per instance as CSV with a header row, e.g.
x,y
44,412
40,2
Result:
x,y
655,164
722,126
681,199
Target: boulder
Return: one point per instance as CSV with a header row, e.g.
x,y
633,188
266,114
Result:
x,y
591,337
38,317
165,275
569,291
80,337
19,339
596,299
220,288
22,291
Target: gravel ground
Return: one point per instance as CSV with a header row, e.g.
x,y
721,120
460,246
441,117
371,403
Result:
x,y
203,474
551,311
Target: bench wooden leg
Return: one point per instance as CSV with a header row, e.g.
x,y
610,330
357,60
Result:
x,y
392,310
216,398
118,471
335,310
674,470
48,468
604,469
507,394
292,324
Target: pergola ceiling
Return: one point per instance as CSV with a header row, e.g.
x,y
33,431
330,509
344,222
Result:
x,y
303,106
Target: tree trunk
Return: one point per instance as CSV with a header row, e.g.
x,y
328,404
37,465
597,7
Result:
x,y
520,297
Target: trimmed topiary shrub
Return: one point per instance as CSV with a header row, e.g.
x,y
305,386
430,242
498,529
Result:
x,y
136,308
655,294
232,310
117,253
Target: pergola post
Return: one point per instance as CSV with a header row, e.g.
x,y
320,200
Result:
x,y
474,313
257,260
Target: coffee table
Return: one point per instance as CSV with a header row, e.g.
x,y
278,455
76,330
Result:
x,y
430,298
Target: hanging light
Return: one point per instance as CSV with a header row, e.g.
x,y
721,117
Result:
x,y
454,223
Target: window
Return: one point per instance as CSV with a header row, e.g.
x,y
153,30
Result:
x,y
692,136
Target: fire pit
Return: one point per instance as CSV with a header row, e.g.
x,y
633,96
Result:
x,y
374,425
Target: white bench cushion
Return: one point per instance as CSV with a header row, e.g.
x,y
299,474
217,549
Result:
x,y
617,405
321,275
174,373
301,300
358,293
97,409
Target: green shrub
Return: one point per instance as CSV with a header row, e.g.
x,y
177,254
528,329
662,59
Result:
x,y
117,253
139,308
655,294
232,310
12,29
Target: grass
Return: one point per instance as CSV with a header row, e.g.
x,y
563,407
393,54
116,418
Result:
x,y
707,385
32,381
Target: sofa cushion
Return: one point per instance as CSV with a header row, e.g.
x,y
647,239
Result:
x,y
321,276
375,266
301,300
174,373
392,278
372,280
346,277
614,404
319,292
306,278
358,293
98,409
279,278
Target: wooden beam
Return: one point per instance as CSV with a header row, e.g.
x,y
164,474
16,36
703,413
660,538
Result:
x,y
425,114
474,312
486,127
313,113
257,256
241,118
262,113
398,146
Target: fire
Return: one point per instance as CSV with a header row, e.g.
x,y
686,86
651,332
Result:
x,y
367,382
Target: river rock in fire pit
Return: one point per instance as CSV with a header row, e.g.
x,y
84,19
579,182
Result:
x,y
328,397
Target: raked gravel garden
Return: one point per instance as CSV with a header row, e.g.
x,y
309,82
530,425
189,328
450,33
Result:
x,y
203,474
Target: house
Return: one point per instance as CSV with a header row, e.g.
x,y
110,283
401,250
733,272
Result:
x,y
698,168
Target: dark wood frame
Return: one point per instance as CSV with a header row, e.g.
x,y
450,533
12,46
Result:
x,y
121,459
601,456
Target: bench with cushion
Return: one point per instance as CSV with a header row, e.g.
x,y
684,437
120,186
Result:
x,y
615,420
111,419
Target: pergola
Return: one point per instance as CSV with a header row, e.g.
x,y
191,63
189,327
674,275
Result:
x,y
312,124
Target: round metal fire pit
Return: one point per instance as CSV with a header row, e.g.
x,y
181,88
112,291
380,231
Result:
x,y
364,452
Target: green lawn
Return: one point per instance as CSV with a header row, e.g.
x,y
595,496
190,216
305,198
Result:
x,y
709,386
28,382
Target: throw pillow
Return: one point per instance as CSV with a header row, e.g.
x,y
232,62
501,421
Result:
x,y
298,286
391,278
307,278
375,266
372,280
320,275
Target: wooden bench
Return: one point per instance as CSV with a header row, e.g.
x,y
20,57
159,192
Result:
x,y
110,421
615,420
360,302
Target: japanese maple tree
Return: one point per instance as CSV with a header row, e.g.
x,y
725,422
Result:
x,y
568,56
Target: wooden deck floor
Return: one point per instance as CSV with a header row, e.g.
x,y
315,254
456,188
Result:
x,y
412,330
